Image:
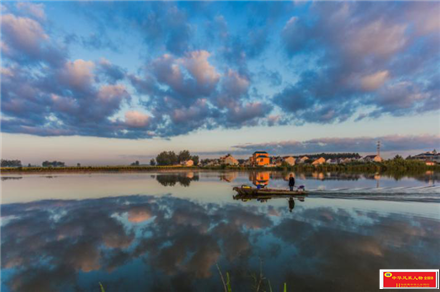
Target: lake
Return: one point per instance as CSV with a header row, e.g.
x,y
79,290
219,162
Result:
x,y
175,231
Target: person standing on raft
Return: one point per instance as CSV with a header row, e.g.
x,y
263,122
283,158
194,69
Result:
x,y
291,182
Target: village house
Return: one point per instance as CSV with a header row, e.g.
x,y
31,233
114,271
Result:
x,y
278,161
372,158
345,160
289,160
187,163
260,158
302,159
332,161
319,161
431,156
228,160
430,163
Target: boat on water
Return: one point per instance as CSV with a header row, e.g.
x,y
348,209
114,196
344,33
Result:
x,y
247,190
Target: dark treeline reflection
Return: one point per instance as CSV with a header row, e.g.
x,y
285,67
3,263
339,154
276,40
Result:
x,y
184,179
147,243
11,178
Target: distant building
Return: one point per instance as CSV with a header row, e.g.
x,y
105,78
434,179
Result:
x,y
433,156
279,161
430,163
289,160
228,160
210,162
260,158
302,159
187,163
332,161
345,160
319,161
373,158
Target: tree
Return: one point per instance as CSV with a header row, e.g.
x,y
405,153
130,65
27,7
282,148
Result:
x,y
78,165
195,159
183,156
166,158
10,163
152,162
53,164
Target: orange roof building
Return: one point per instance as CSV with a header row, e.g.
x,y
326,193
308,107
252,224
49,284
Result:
x,y
260,158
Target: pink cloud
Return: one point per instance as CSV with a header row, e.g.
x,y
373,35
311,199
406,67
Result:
x,y
78,74
23,33
136,119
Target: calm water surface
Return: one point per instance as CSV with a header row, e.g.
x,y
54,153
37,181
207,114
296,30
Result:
x,y
167,231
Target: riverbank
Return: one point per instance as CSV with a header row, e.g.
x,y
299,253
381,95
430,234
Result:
x,y
406,168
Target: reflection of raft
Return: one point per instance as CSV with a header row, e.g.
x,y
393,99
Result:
x,y
246,190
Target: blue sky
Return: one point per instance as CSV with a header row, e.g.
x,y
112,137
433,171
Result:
x,y
109,82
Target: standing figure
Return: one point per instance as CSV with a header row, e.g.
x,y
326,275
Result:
x,y
291,182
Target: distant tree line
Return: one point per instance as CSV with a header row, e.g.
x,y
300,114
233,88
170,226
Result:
x,y
53,164
10,163
171,158
332,156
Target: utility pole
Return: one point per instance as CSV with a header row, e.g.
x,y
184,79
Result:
x,y
378,148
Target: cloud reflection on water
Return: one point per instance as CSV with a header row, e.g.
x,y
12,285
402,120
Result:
x,y
173,244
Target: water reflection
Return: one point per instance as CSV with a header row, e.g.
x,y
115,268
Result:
x,y
260,179
265,198
229,176
164,243
184,179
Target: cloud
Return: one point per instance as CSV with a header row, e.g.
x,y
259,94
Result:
x,y
136,119
109,72
24,34
78,74
358,144
197,64
24,40
321,63
34,10
369,55
374,81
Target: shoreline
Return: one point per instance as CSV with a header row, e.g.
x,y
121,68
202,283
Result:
x,y
363,168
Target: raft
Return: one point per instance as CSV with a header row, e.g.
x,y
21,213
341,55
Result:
x,y
246,190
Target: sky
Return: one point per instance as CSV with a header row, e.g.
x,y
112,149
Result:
x,y
113,82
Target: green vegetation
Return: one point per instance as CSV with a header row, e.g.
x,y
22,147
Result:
x,y
171,158
397,167
73,169
332,156
10,163
53,164
260,282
